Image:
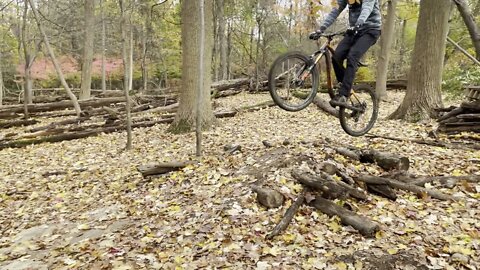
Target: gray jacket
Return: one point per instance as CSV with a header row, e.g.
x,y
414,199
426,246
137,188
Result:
x,y
365,13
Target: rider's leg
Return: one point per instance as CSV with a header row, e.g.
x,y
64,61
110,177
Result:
x,y
359,48
340,55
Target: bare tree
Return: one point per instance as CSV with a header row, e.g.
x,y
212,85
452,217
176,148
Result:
x,y
472,26
86,83
1,81
123,30
425,77
386,44
222,39
58,69
104,80
201,66
186,113
29,56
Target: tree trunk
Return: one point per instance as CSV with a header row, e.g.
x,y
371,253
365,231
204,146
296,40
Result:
x,y
123,30
1,81
104,77
58,69
222,39
86,83
472,26
425,77
147,26
386,44
27,85
186,115
130,58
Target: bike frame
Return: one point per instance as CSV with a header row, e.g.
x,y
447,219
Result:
x,y
327,50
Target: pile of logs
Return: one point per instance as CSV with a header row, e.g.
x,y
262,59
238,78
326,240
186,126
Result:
x,y
326,182
465,118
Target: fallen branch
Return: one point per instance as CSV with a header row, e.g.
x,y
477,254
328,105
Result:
x,y
446,180
161,168
18,123
364,225
430,143
400,185
288,216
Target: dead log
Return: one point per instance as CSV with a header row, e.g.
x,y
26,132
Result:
x,y
329,189
77,135
288,216
420,191
80,132
447,181
161,168
450,114
229,84
18,123
324,105
382,190
386,161
61,105
268,197
428,142
364,225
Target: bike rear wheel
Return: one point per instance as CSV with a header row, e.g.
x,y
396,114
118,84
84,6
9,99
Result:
x,y
293,81
358,123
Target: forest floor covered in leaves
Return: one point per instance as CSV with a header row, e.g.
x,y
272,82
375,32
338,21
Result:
x,y
82,204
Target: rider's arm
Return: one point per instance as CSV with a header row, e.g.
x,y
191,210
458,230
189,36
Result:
x,y
333,15
367,8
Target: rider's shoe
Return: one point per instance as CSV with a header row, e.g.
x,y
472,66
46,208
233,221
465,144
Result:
x,y
338,100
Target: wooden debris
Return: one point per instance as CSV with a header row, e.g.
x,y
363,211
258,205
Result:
x,y
387,161
161,168
288,216
364,225
269,198
400,185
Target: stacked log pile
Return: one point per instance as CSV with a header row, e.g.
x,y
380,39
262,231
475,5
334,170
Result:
x,y
329,186
465,118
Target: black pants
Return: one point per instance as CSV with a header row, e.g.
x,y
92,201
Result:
x,y
351,48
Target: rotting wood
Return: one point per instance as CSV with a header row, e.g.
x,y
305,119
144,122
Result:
x,y
161,168
329,189
435,143
364,225
18,123
288,216
387,161
368,179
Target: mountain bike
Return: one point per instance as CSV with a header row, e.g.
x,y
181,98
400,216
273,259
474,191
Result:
x,y
293,83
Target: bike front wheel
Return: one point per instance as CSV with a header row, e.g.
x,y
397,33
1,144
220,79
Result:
x,y
293,81
359,122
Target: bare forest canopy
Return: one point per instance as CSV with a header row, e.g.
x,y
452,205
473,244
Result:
x,y
248,35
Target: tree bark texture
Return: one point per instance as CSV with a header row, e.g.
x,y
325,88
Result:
x,y
186,115
27,85
425,77
104,37
222,39
386,44
472,26
58,69
1,81
123,30
85,87
365,226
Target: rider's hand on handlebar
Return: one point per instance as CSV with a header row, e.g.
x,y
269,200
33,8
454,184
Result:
x,y
353,30
316,35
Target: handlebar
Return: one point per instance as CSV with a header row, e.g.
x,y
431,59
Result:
x,y
332,35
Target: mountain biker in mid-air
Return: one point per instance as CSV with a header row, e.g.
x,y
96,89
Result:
x,y
365,23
